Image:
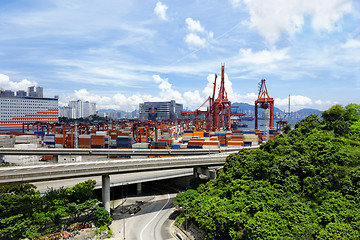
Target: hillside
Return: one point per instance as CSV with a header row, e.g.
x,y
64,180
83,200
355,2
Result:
x,y
302,185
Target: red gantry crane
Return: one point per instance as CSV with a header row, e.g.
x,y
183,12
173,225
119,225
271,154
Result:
x,y
265,102
221,106
217,114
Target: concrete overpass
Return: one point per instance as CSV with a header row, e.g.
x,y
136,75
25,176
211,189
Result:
x,y
114,152
49,172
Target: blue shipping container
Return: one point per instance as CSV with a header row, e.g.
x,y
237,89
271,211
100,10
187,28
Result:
x,y
247,144
40,134
176,146
194,147
220,134
249,132
97,146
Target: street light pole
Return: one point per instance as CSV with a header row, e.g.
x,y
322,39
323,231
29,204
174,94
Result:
x,y
113,197
186,219
123,210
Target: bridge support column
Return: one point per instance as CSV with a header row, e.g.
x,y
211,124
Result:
x,y
55,158
204,173
195,172
138,188
212,174
106,192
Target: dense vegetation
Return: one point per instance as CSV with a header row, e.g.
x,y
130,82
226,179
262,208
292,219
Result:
x,y
24,213
302,185
90,119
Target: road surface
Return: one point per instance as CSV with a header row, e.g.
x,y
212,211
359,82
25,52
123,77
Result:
x,y
151,223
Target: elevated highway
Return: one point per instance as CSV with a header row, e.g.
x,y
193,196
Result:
x,y
116,152
49,172
199,158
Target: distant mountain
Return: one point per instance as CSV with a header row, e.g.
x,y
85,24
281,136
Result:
x,y
106,110
245,107
309,111
249,109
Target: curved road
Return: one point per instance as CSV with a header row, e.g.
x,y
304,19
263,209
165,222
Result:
x,y
151,223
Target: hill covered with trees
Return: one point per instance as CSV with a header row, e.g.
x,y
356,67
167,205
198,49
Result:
x,y
25,213
302,185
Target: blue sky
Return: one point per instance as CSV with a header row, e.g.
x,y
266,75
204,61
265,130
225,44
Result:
x,y
120,53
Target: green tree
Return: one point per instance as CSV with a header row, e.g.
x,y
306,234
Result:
x,y
102,217
302,185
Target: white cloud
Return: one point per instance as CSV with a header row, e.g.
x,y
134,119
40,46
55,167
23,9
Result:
x,y
262,57
190,99
233,96
167,92
351,43
6,84
324,104
197,37
194,26
236,3
300,102
116,102
274,18
193,40
193,99
160,10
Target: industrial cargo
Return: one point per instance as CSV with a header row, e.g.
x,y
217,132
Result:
x,y
140,146
247,144
159,145
176,146
207,144
7,141
59,139
123,142
195,143
40,134
84,141
97,140
49,139
235,143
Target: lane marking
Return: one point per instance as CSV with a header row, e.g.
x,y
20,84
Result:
x,y
170,230
142,231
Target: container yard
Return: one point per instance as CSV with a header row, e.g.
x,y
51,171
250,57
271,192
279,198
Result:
x,y
122,135
210,129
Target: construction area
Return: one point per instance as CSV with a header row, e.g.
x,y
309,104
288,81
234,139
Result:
x,y
210,129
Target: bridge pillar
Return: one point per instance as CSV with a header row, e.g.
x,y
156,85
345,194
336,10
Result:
x,y
213,174
195,172
138,188
204,172
106,192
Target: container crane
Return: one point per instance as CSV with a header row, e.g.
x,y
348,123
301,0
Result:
x,y
221,106
217,114
265,102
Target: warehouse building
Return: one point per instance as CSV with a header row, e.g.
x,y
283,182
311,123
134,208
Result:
x,y
27,108
157,111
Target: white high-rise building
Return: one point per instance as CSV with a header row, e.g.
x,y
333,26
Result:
x,y
16,110
67,112
80,109
89,109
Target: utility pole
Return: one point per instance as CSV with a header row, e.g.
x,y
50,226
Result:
x,y
289,106
123,210
76,136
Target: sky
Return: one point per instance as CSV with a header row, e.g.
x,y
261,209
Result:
x,y
120,53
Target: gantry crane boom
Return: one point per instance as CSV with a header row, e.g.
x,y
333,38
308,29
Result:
x,y
264,101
